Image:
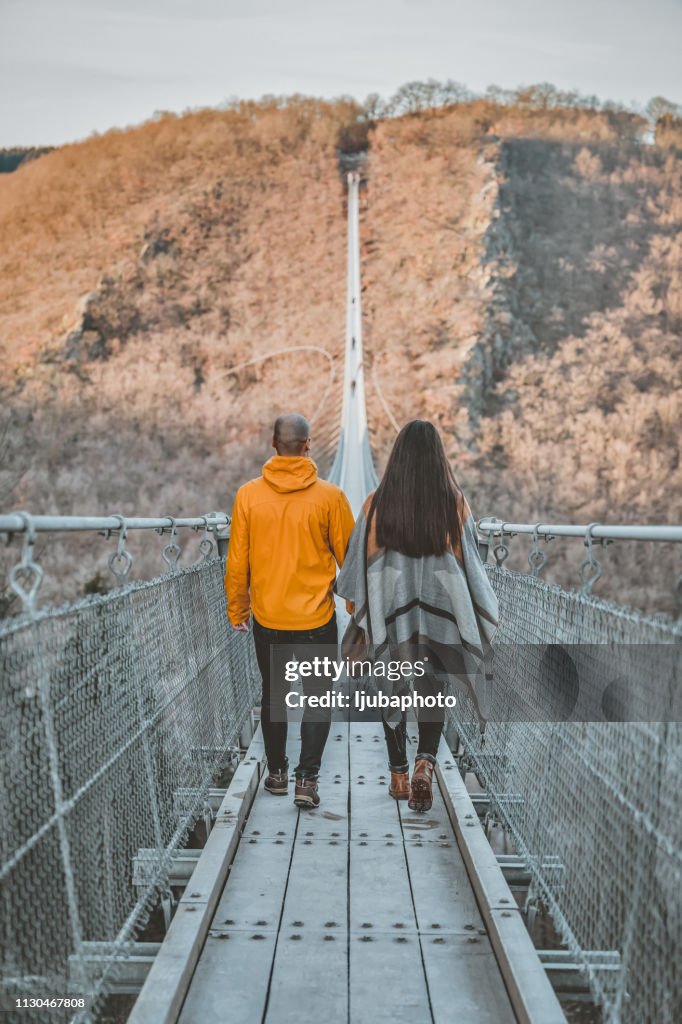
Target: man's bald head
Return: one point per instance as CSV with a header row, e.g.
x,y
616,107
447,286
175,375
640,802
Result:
x,y
291,434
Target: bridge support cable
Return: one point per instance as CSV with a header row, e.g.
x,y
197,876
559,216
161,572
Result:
x,y
353,467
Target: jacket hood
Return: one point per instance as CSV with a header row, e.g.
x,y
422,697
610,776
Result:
x,y
285,473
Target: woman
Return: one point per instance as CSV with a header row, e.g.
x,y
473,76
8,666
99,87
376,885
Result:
x,y
418,588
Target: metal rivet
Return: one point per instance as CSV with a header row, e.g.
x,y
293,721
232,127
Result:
x,y
363,833
435,926
472,938
400,938
439,941
307,842
507,913
261,924
329,938
504,900
333,842
195,894
366,924
399,924
257,936
295,938
310,833
281,833
469,927
388,835
363,844
297,924
330,924
365,938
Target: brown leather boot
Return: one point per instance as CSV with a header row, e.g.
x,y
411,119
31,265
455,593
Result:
x,y
421,788
277,782
400,785
306,794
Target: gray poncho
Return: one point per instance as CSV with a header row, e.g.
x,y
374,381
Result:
x,y
443,603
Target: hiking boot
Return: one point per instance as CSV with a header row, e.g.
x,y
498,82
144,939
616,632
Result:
x,y
421,788
277,783
306,794
400,786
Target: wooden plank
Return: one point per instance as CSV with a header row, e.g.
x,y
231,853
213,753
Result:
x,y
387,983
253,896
374,814
313,936
464,979
380,898
236,961
310,979
530,991
231,979
317,890
441,890
164,991
386,977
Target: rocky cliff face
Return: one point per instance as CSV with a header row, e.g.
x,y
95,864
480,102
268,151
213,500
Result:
x,y
540,315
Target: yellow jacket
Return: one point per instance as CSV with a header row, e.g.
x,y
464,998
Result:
x,y
289,529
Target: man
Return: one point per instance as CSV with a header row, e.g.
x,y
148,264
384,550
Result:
x,y
289,532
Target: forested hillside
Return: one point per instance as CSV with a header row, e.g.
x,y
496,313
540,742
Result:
x,y
522,288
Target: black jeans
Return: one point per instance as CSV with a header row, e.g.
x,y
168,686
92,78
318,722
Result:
x,y
430,726
316,721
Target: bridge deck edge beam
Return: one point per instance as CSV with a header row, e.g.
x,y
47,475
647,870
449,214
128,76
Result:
x,y
531,994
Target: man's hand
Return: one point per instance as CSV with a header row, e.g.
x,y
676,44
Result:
x,y
242,627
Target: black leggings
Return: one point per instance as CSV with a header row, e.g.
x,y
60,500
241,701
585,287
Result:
x,y
430,726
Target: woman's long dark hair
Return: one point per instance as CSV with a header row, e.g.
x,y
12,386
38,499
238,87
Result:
x,y
416,505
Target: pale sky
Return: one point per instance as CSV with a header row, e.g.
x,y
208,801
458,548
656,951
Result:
x,y
71,67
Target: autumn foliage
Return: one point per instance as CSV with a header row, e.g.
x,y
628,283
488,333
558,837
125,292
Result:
x,y
521,274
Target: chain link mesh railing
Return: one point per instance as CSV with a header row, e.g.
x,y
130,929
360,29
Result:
x,y
593,806
108,708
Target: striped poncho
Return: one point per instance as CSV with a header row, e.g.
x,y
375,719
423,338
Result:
x,y
443,603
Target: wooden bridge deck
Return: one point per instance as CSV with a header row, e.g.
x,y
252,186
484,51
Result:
x,y
359,910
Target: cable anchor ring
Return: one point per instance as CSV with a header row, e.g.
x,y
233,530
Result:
x,y
206,544
590,569
121,560
171,550
501,550
27,568
536,557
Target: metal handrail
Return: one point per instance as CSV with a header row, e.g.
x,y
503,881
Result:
x,y
599,531
14,522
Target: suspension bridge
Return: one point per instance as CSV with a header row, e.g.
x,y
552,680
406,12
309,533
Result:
x,y
545,877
